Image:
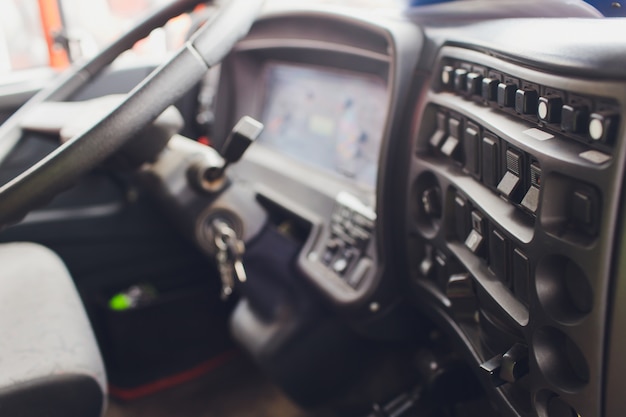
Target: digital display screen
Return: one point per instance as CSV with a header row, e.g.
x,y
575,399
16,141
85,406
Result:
x,y
328,118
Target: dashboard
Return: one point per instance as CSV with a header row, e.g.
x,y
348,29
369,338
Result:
x,y
457,166
326,92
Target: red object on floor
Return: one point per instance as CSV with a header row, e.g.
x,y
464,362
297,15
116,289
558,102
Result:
x,y
172,380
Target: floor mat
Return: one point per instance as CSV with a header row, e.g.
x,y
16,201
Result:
x,y
238,389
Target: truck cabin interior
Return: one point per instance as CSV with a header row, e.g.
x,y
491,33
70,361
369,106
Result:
x,y
319,209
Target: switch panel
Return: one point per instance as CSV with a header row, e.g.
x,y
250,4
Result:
x,y
350,232
592,120
527,164
491,160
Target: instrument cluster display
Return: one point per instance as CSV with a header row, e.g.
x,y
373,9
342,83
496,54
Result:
x,y
331,119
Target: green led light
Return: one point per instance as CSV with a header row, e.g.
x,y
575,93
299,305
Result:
x,y
120,302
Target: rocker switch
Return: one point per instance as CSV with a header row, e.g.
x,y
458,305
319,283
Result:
x,y
491,368
514,363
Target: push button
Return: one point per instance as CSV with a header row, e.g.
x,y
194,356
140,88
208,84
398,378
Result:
x,y
490,89
603,126
442,130
431,202
460,80
451,146
531,199
474,83
521,275
460,291
535,175
514,161
460,286
478,222
526,101
584,210
506,94
340,266
344,260
471,140
574,118
475,241
461,217
447,76
498,251
549,109
490,160
332,248
454,127
364,222
511,185
427,266
360,271
441,268
582,207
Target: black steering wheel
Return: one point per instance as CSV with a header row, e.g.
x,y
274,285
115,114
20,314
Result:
x,y
164,86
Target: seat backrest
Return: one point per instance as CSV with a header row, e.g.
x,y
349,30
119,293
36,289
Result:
x,y
50,364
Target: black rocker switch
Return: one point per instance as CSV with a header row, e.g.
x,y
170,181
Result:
x,y
514,363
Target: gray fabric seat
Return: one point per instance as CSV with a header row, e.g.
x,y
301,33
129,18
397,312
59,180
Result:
x,y
50,364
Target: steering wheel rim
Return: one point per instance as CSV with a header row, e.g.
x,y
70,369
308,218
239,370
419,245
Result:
x,y
164,86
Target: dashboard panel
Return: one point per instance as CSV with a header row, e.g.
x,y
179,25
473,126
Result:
x,y
447,178
514,188
327,89
515,253
460,163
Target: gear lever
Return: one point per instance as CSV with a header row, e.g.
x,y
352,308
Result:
x,y
246,131
208,175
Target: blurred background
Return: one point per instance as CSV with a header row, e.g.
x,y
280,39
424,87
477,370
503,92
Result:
x,y
52,33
